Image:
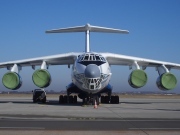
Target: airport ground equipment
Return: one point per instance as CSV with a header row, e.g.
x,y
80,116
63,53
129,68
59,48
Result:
x,y
39,95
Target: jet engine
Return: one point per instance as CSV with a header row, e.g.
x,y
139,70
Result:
x,y
41,78
12,80
137,78
166,81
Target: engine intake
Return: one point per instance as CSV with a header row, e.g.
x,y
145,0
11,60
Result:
x,y
166,81
137,78
12,80
41,78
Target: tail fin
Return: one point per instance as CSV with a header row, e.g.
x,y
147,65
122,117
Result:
x,y
87,28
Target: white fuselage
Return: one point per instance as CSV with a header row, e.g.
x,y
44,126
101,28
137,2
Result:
x,y
91,72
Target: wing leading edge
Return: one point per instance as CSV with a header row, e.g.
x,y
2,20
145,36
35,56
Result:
x,y
117,59
60,59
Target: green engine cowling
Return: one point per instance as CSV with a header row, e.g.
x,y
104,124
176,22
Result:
x,y
166,81
12,80
41,78
137,79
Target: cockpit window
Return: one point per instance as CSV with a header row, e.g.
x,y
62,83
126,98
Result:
x,y
92,57
97,58
81,58
86,57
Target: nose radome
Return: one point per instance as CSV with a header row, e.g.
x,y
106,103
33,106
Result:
x,y
92,71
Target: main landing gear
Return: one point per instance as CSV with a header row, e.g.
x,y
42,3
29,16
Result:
x,y
89,98
110,100
103,99
68,99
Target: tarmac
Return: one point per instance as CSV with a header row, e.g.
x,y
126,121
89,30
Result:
x,y
131,116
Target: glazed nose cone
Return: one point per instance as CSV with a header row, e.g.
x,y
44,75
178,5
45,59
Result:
x,y
92,71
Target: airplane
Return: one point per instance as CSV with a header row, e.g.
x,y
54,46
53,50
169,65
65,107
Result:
x,y
91,71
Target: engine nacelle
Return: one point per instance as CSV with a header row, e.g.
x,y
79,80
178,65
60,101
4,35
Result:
x,y
12,80
137,78
41,78
166,81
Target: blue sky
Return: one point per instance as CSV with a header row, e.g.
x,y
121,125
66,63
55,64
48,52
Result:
x,y
154,33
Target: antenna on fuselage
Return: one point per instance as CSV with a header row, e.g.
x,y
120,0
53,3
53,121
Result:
x,y
87,29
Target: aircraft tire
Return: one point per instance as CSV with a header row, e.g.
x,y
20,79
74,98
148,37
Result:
x,y
61,98
102,99
75,99
107,99
70,99
34,101
117,99
84,101
112,100
65,99
44,100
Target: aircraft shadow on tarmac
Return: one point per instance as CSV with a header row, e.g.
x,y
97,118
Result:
x,y
136,102
148,109
49,102
148,103
155,102
79,103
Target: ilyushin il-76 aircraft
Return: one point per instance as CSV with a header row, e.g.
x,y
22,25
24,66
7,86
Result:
x,y
91,71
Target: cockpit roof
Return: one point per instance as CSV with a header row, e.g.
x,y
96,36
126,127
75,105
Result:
x,y
91,58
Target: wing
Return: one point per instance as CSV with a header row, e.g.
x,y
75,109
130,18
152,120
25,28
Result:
x,y
117,59
61,59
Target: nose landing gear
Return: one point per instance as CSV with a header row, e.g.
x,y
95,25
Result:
x,y
90,100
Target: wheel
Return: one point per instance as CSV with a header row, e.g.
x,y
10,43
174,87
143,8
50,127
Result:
x,y
97,100
34,101
75,99
61,98
65,99
102,99
84,101
70,99
107,99
117,99
44,100
112,99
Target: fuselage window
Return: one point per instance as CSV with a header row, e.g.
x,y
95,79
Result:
x,y
95,80
92,81
92,87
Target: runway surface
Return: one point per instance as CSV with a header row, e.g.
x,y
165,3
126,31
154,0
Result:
x,y
141,116
92,125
